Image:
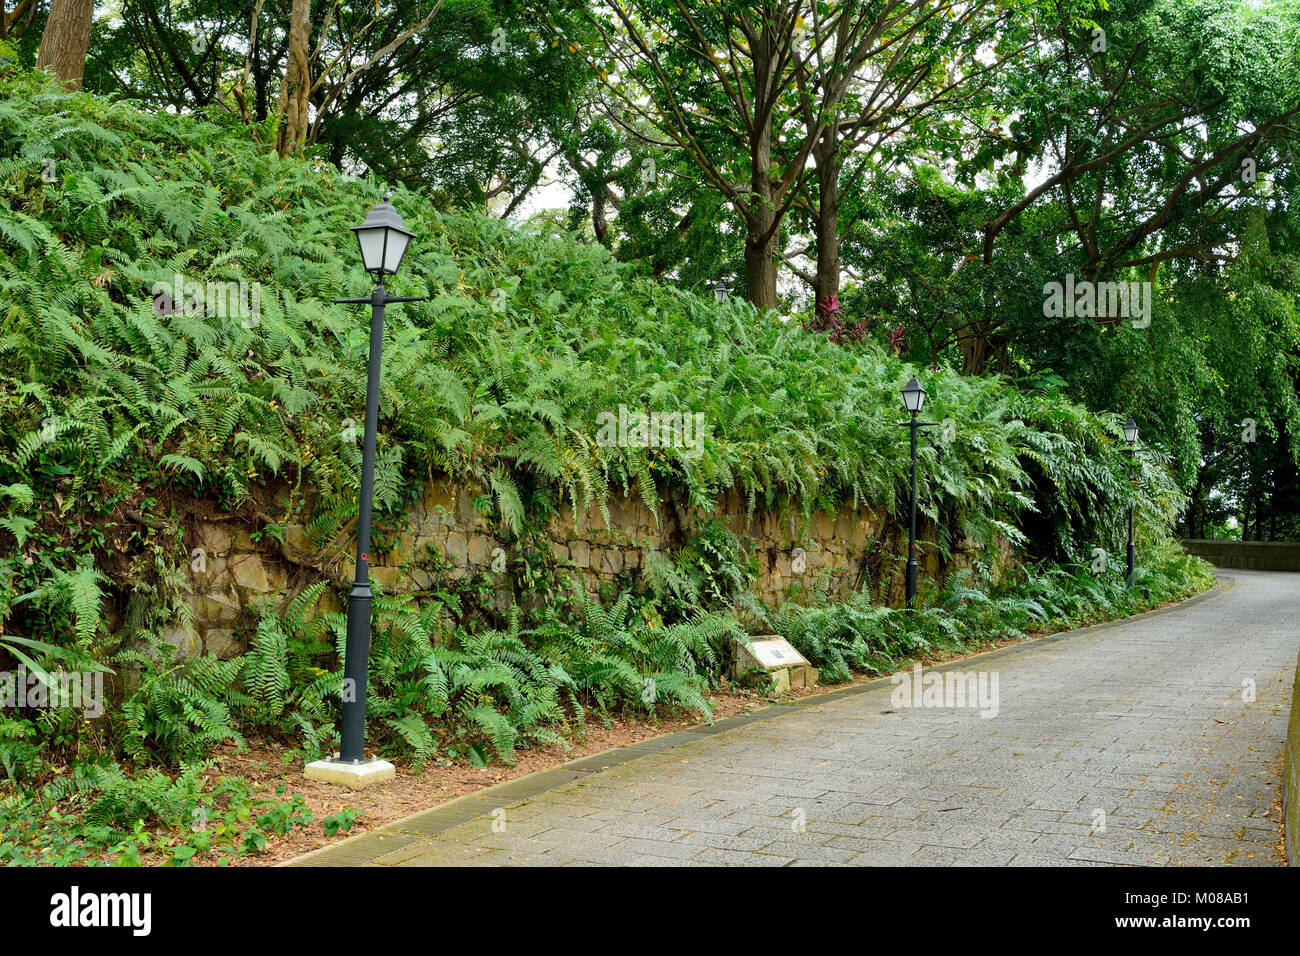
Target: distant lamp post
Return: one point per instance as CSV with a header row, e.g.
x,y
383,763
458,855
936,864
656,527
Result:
x,y
383,240
720,291
1130,436
913,400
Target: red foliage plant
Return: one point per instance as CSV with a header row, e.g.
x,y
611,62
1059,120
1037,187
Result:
x,y
829,318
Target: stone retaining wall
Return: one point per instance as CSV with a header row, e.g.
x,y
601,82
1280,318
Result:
x,y
231,573
1250,555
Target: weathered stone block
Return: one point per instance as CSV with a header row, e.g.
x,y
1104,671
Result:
x,y
216,608
480,550
419,578
249,572
438,502
780,682
404,548
297,546
352,776
186,640
429,535
388,578
221,642
457,549
214,537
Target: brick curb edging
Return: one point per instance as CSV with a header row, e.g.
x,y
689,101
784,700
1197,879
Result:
x,y
368,847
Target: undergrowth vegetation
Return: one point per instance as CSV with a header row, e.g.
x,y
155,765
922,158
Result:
x,y
113,410
859,637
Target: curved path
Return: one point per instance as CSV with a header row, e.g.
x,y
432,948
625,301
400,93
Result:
x,y
1128,743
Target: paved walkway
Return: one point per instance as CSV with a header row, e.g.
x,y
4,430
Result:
x,y
1123,744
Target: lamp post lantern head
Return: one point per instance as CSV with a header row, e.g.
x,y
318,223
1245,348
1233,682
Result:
x,y
1131,431
913,396
383,239
720,291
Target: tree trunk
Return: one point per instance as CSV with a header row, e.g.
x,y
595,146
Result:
x,y
760,268
297,81
239,90
599,224
826,287
974,351
762,238
1196,506
65,41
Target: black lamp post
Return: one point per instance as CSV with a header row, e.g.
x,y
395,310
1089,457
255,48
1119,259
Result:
x,y
383,240
913,401
1131,436
720,291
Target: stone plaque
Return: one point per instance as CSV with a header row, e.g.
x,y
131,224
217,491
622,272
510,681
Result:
x,y
773,652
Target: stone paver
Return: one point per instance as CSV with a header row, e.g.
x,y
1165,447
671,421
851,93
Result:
x,y
1143,721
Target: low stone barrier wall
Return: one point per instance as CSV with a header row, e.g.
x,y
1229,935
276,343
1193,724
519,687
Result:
x,y
854,549
1248,555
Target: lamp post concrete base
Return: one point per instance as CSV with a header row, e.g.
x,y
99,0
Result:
x,y
353,775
